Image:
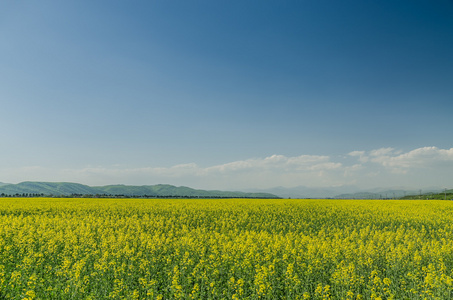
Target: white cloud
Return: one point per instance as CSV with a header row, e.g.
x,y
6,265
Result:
x,y
257,172
363,158
421,157
356,153
425,166
382,152
350,171
277,163
380,167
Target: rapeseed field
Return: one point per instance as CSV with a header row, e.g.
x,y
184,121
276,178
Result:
x,y
225,249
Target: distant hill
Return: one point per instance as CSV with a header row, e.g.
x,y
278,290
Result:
x,y
363,195
344,192
443,195
384,194
46,188
159,190
308,192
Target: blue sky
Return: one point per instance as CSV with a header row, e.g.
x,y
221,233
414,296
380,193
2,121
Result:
x,y
227,94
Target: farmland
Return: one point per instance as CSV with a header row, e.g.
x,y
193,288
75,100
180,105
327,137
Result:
x,y
63,248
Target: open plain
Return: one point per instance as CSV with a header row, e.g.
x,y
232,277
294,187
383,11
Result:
x,y
63,248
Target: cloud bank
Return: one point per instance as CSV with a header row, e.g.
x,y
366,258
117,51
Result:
x,y
421,167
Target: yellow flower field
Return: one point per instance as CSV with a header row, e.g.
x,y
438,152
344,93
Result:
x,y
225,249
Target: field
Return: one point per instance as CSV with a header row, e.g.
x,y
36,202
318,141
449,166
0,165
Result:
x,y
225,249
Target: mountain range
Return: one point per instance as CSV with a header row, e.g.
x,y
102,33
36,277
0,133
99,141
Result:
x,y
345,192
159,190
166,190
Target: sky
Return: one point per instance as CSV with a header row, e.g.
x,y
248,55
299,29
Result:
x,y
227,94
